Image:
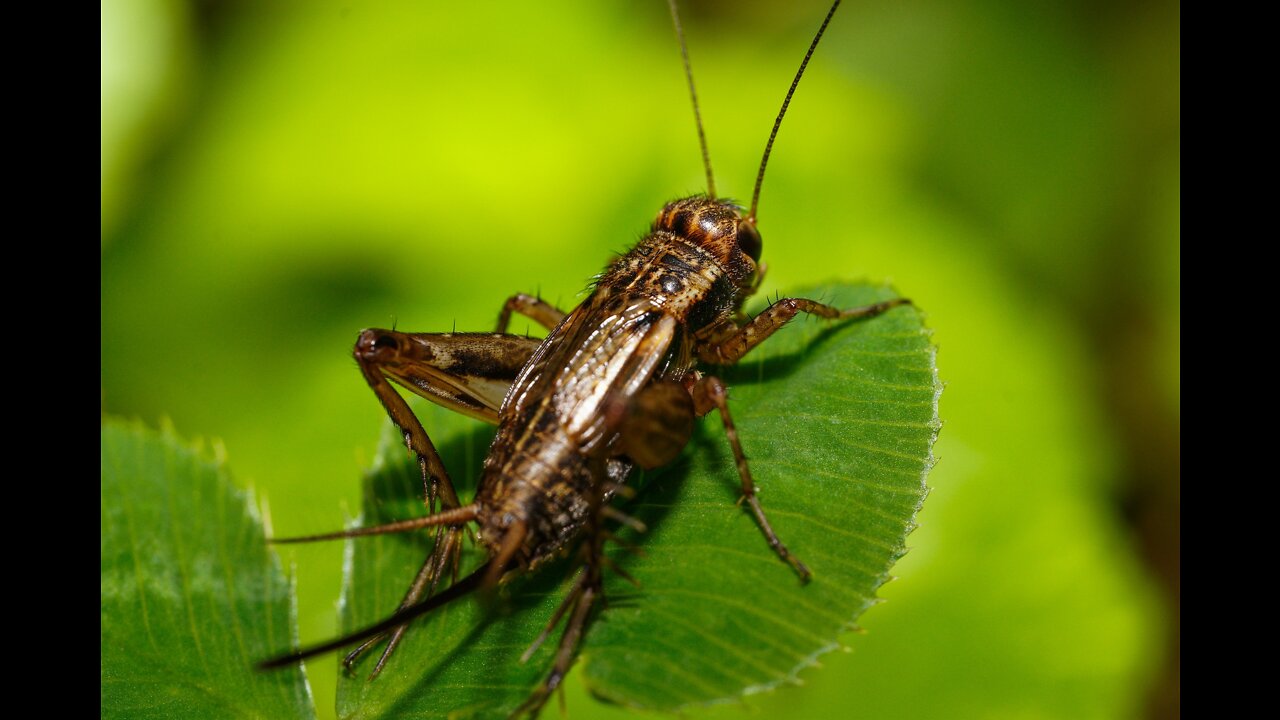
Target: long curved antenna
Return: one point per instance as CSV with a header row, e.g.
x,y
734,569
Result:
x,y
755,196
697,114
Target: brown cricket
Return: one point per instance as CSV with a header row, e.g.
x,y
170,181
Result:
x,y
615,384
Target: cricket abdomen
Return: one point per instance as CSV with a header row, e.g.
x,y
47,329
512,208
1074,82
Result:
x,y
535,483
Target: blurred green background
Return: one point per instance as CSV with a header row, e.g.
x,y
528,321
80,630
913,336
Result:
x,y
277,176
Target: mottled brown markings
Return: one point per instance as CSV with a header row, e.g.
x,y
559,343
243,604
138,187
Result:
x,y
716,303
614,383
483,363
627,276
463,399
675,264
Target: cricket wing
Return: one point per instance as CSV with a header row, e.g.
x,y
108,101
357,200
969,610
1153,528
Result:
x,y
590,366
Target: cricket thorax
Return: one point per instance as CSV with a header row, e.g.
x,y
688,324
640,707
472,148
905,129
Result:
x,y
693,264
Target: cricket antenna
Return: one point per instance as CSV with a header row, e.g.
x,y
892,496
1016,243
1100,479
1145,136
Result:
x,y
755,195
697,114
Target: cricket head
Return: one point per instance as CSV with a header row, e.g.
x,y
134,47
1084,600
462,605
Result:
x,y
719,228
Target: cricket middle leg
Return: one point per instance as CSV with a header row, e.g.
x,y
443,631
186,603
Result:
x,y
534,308
709,394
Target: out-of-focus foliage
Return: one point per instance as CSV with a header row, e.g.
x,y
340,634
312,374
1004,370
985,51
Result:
x,y
191,597
277,176
146,47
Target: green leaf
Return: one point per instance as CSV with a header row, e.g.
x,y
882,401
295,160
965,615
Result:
x,y
837,419
191,598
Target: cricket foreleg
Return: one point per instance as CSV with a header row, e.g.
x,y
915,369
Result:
x,y
730,350
709,393
534,308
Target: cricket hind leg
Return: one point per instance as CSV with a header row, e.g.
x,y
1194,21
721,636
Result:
x,y
468,373
375,352
578,606
444,556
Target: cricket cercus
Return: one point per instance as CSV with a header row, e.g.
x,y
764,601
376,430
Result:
x,y
615,384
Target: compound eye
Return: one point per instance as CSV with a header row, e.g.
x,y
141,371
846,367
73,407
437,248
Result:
x,y
749,240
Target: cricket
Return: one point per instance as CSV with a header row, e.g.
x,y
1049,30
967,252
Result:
x,y
617,384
